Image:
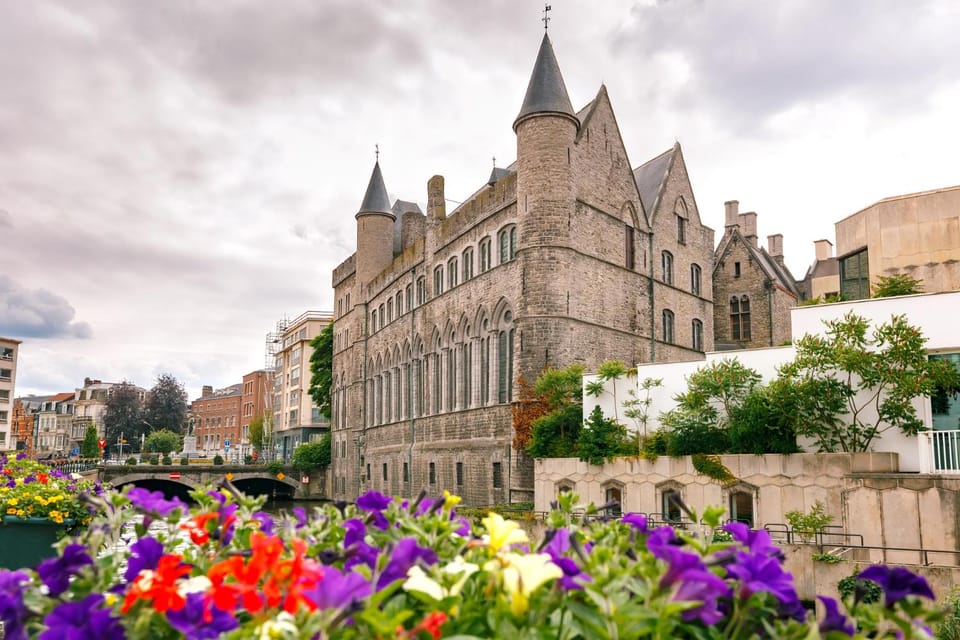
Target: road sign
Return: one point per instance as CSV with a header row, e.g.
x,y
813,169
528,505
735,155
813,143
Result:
x,y
75,452
102,444
174,475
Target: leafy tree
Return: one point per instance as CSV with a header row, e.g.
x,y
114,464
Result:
x,y
555,426
89,448
313,455
877,373
529,407
638,409
166,404
900,284
602,439
609,372
162,441
321,369
713,393
257,433
123,414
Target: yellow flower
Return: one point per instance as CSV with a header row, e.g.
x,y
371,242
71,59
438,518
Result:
x,y
502,532
56,516
524,574
450,500
419,581
12,511
12,502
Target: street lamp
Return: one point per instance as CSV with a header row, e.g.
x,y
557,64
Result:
x,y
120,442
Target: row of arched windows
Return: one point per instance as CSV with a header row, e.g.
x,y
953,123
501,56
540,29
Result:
x,y
466,365
668,320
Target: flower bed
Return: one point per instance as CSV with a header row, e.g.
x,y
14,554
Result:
x,y
385,568
31,489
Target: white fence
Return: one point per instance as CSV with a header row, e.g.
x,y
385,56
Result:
x,y
939,451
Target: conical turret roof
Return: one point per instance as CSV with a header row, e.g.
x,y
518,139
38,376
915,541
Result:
x,y
376,199
546,92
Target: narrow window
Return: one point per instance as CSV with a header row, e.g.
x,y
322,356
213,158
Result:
x,y
736,269
406,472
384,471
390,310
697,335
438,280
670,505
695,274
666,263
409,297
740,318
433,473
368,472
459,474
668,326
421,290
373,320
497,475
485,255
453,272
734,318
467,264
745,317
399,298
741,507
614,497
629,248
681,230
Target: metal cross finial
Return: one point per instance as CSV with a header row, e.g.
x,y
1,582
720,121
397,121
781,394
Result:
x,y
377,151
546,18
494,162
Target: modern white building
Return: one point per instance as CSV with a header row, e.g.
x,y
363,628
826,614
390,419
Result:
x,y
936,451
9,349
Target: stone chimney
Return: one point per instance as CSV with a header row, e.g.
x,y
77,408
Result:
x,y
748,226
207,391
87,382
731,207
775,247
824,249
436,199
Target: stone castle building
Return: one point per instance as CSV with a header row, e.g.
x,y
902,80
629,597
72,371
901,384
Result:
x,y
566,256
753,289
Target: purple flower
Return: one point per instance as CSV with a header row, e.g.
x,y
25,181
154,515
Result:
x,y
833,620
13,613
154,502
144,554
301,515
338,590
266,522
84,620
679,563
897,583
703,586
573,578
403,556
755,540
56,572
21,456
358,551
375,503
762,573
200,620
636,520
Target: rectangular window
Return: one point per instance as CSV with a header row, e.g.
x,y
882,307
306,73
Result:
x,y
421,290
695,274
467,264
485,255
406,472
629,248
459,474
373,320
399,303
433,473
295,375
390,310
384,471
697,335
4,395
5,374
668,326
855,276
497,475
736,269
3,417
666,264
6,353
681,230
453,272
368,472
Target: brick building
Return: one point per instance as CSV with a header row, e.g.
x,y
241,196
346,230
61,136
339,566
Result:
x,y
217,418
255,402
567,255
752,287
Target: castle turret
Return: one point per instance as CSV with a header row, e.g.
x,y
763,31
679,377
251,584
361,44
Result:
x,y
375,221
546,129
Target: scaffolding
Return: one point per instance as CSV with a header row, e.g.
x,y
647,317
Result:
x,y
273,346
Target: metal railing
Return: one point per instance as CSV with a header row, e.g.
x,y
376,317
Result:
x,y
939,451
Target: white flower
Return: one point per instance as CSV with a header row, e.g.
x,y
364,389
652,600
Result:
x,y
196,584
524,574
280,627
419,581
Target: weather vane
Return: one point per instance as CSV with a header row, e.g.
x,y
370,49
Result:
x,y
546,18
494,162
377,151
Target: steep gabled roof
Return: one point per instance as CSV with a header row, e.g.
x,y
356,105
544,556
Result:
x,y
650,177
376,200
546,92
773,270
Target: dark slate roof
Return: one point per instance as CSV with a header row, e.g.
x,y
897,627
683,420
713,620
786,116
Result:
x,y
650,177
496,174
546,92
376,199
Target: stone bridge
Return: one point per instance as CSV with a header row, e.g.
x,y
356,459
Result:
x,y
179,480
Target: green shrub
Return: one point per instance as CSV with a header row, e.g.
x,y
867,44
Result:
x,y
710,466
184,461
313,455
555,434
167,460
655,444
601,439
764,423
690,435
131,461
154,460
218,459
867,591
808,525
949,627
247,459
828,558
275,467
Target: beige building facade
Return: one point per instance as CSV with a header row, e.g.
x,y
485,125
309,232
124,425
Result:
x,y
9,351
568,255
917,234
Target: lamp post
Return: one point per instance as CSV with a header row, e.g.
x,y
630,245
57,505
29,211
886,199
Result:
x,y
120,446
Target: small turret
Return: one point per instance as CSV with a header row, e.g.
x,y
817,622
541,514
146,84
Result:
x,y
375,221
546,92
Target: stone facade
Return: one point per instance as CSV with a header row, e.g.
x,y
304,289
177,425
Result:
x,y
752,287
556,260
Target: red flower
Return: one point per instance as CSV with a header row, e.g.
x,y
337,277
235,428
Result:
x,y
431,624
197,526
160,585
42,478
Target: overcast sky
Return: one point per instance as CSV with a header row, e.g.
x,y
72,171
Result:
x,y
177,176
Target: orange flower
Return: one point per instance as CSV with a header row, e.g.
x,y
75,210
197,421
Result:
x,y
160,585
42,478
431,624
197,526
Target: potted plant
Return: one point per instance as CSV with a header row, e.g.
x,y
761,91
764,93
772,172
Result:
x,y
38,503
